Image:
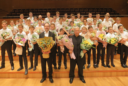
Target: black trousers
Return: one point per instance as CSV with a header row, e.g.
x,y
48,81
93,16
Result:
x,y
110,52
123,58
27,46
84,59
94,54
7,46
43,65
34,51
119,48
60,56
99,49
14,46
54,54
73,63
23,56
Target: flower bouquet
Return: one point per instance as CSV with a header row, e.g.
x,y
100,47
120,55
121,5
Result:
x,y
86,44
59,39
71,31
66,41
19,40
5,35
104,28
112,41
46,44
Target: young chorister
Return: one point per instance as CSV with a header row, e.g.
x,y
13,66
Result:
x,y
6,39
23,56
14,31
124,46
92,35
62,53
100,46
84,34
115,28
110,47
34,46
53,30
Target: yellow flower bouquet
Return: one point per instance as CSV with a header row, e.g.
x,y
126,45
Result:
x,y
46,44
85,45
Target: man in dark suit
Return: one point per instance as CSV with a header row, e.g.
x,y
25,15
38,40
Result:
x,y
46,33
76,39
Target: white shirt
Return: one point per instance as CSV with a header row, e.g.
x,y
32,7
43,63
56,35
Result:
x,y
30,35
124,35
109,35
89,19
6,30
58,27
106,23
115,26
46,20
32,19
46,34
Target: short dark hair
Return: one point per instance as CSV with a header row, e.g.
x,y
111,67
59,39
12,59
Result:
x,y
119,26
90,27
99,24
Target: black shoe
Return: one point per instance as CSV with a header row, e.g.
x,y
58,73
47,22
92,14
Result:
x,y
104,65
30,68
113,65
26,72
20,69
2,67
14,54
65,66
83,67
12,68
51,80
125,66
59,67
71,80
88,66
82,79
34,68
108,66
42,80
55,67
95,66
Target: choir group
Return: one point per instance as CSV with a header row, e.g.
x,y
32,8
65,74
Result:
x,y
95,29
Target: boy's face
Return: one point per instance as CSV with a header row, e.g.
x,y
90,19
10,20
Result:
x,y
31,30
72,23
39,22
48,14
35,19
110,30
62,32
4,25
97,16
117,21
90,29
121,29
84,30
57,14
52,27
78,15
30,14
20,28
11,23
90,15
28,22
100,26
85,22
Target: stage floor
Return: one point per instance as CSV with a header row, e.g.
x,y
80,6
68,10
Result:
x,y
90,81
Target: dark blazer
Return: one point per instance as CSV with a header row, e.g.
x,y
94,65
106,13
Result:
x,y
42,35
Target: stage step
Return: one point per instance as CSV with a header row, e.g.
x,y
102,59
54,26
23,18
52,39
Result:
x,y
64,73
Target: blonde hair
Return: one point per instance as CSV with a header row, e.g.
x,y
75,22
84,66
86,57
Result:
x,y
31,26
118,18
4,21
20,25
